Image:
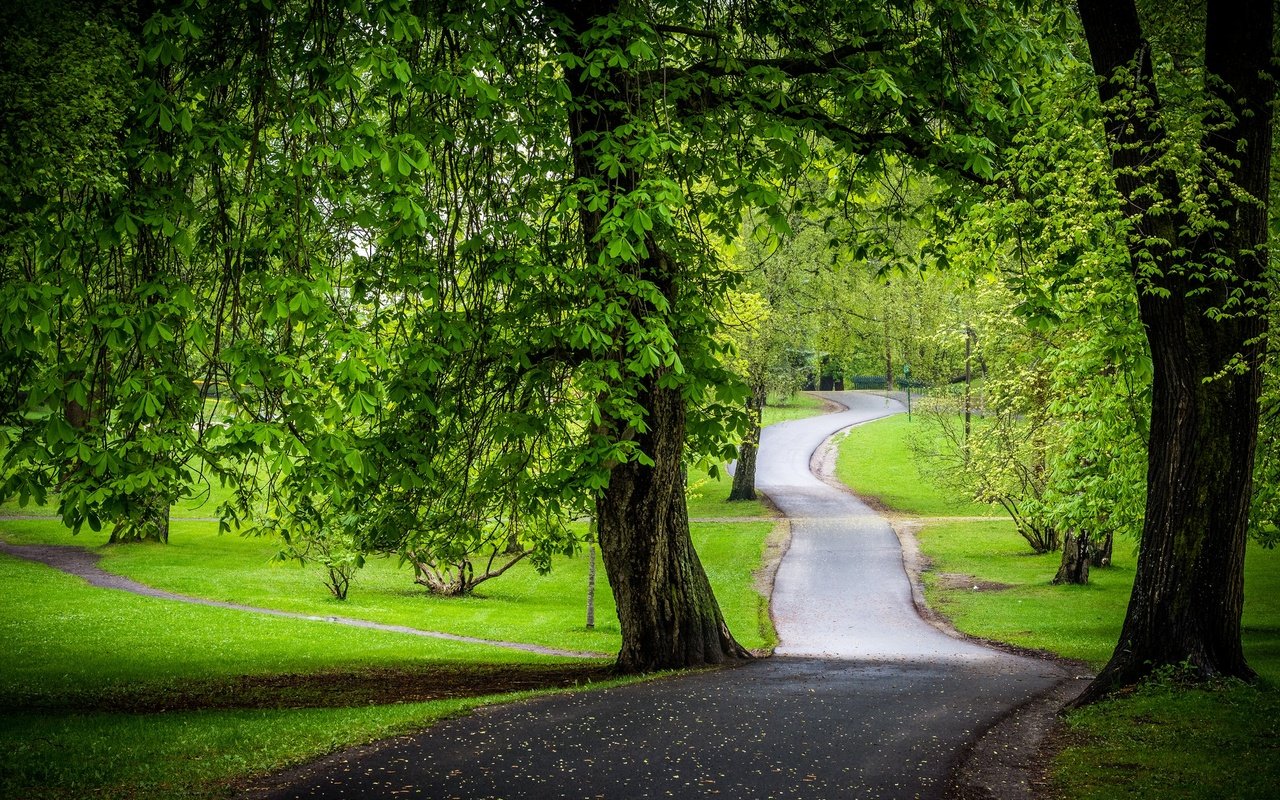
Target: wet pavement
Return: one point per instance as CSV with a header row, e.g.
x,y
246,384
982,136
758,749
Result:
x,y
863,700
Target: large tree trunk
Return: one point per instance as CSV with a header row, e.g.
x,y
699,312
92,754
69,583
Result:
x,y
744,474
666,608
1188,591
668,614
1074,567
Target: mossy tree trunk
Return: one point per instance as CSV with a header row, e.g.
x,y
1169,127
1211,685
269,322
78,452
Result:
x,y
668,614
667,611
1202,295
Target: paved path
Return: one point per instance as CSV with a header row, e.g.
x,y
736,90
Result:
x,y
842,591
864,701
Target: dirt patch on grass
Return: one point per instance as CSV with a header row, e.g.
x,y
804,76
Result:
x,y
330,689
958,580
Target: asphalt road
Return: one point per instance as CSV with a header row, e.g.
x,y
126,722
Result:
x,y
864,700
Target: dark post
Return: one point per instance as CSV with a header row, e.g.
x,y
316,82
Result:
x,y
968,378
906,383
591,576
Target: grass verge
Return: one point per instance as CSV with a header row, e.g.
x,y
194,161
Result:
x,y
1164,740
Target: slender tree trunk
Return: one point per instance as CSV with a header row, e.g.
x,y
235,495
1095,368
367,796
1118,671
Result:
x,y
1074,567
744,474
968,383
1188,590
591,584
666,609
888,356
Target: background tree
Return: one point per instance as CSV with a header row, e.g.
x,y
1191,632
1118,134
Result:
x,y
1061,440
99,345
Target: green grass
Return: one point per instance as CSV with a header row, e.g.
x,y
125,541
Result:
x,y
781,408
68,643
1167,741
199,754
875,459
64,638
1170,742
520,606
71,645
1162,741
188,754
1078,622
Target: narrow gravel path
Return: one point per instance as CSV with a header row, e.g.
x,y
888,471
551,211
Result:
x,y
864,700
84,564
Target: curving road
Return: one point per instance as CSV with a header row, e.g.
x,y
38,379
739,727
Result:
x,y
842,592
864,700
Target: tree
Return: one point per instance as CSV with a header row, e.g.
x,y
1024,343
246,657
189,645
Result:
x,y
1191,152
752,329
97,350
668,613
458,271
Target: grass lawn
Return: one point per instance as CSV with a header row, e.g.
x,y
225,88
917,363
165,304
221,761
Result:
x,y
64,639
876,460
195,754
1163,740
783,408
73,653
520,606
68,644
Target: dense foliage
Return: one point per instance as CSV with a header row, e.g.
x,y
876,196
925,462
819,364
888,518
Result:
x,y
431,279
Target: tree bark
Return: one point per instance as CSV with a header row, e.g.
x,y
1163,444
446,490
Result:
x,y
1100,552
744,474
1188,590
1074,567
888,356
667,612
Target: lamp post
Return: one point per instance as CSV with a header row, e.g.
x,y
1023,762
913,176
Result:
x,y
906,382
